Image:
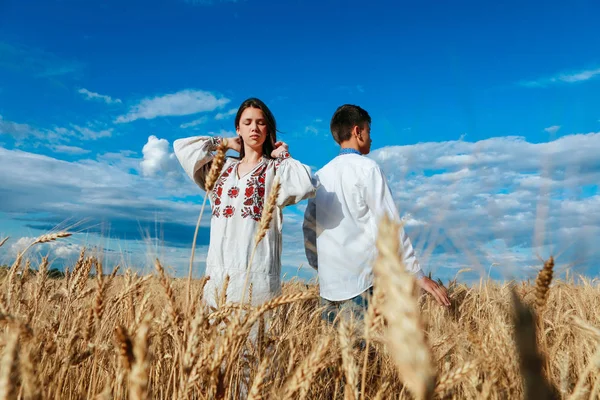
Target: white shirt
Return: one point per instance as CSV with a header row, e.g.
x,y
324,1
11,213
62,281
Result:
x,y
237,205
341,226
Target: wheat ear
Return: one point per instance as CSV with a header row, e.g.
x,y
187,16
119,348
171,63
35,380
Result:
x,y
8,367
542,284
348,362
450,379
306,371
263,227
50,237
138,379
125,347
259,380
211,178
405,334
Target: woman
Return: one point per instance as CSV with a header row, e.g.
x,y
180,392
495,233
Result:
x,y
237,201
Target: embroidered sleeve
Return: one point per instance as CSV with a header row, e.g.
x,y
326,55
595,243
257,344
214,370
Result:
x,y
296,181
195,156
215,141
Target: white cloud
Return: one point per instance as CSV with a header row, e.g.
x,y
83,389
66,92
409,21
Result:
x,y
194,123
158,158
465,198
579,76
131,216
59,249
311,129
227,114
185,102
54,136
574,77
466,204
69,149
552,129
18,131
96,96
314,127
85,133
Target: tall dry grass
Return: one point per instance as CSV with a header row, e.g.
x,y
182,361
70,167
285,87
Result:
x,y
96,334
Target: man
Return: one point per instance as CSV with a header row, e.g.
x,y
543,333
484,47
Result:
x,y
341,222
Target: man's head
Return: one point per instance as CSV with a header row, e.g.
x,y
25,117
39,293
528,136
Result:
x,y
351,127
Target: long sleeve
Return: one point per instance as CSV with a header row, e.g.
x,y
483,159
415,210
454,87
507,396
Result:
x,y
296,181
309,230
378,198
195,156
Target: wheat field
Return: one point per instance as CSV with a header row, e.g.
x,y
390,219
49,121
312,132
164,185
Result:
x,y
100,333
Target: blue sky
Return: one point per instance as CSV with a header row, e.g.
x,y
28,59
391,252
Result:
x,y
481,112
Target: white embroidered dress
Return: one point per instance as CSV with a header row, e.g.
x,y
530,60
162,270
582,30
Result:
x,y
237,204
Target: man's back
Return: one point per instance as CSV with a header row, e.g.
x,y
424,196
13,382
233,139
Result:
x,y
352,196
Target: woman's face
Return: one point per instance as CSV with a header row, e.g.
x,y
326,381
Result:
x,y
253,128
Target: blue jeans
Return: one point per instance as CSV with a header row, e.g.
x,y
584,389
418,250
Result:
x,y
353,308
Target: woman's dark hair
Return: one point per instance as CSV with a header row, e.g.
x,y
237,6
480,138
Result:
x,y
269,144
344,119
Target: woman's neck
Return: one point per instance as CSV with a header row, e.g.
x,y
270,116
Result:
x,y
251,156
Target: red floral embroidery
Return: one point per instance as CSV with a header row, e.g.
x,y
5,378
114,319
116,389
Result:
x,y
283,156
216,211
228,211
233,192
254,194
217,191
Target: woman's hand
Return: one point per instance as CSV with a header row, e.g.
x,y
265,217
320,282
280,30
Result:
x,y
280,148
234,143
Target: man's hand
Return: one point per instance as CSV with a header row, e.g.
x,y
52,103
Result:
x,y
438,292
280,148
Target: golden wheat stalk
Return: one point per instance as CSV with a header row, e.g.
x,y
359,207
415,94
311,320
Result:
x,y
211,178
306,372
586,327
263,227
50,237
381,391
168,288
278,302
239,329
267,214
4,241
406,338
125,347
531,360
9,373
449,380
139,377
259,380
30,379
373,320
542,284
348,362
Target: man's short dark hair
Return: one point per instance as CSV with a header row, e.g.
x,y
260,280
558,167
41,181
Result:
x,y
344,119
